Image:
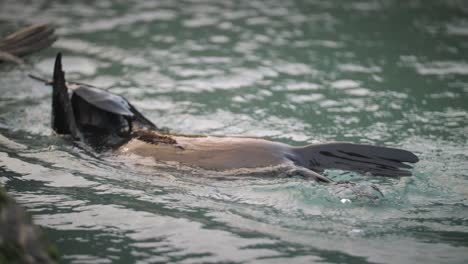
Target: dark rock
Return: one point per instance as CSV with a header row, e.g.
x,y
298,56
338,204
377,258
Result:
x,y
20,240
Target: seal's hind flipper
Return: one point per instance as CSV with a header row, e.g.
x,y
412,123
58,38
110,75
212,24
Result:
x,y
63,118
381,161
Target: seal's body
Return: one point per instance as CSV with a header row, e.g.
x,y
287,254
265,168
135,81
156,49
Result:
x,y
214,153
109,121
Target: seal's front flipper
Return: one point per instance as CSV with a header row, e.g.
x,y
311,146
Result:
x,y
308,174
380,161
63,118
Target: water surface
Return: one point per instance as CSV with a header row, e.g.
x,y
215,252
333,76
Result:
x,y
383,72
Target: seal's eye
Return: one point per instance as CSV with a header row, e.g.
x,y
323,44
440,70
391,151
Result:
x,y
125,126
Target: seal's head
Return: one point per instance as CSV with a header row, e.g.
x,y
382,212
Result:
x,y
92,114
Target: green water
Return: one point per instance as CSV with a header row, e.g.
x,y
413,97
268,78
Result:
x,y
384,72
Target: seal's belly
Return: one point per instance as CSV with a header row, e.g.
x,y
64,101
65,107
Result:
x,y
213,153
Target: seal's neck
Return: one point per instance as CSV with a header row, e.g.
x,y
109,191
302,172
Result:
x,y
153,137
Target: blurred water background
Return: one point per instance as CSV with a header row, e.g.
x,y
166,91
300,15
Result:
x,y
384,72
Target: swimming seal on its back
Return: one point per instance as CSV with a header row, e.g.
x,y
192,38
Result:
x,y
106,120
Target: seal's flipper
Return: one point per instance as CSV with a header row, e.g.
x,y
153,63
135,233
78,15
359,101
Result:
x,y
381,161
308,174
63,118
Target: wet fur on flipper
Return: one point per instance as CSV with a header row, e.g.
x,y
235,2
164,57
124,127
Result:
x,y
381,161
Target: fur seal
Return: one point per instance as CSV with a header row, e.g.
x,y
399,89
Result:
x,y
108,121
